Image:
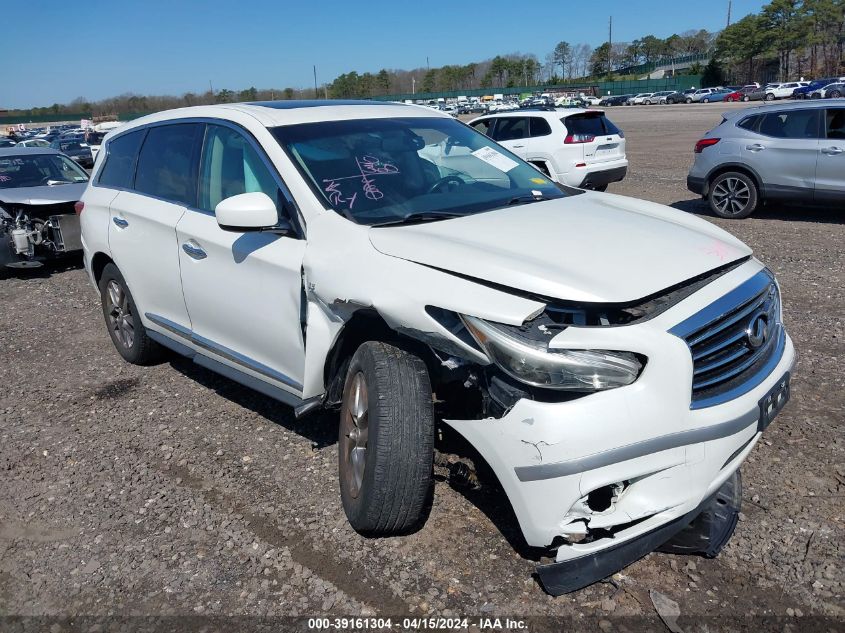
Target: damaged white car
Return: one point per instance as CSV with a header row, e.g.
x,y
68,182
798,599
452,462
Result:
x,y
612,360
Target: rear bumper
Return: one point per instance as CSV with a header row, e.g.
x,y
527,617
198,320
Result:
x,y
603,177
697,185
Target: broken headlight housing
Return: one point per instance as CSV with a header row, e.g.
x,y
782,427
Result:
x,y
533,363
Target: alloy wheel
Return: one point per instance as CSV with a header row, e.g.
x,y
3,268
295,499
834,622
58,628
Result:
x,y
120,314
355,432
731,196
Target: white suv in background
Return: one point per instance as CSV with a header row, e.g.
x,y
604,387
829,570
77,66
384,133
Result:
x,y
784,91
577,147
614,361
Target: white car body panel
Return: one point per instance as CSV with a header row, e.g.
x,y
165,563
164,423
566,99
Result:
x,y
629,232
147,253
259,274
246,297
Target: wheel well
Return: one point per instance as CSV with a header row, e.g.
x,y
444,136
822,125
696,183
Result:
x,y
737,168
98,263
365,325
542,166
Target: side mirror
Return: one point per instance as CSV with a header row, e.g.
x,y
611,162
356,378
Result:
x,y
249,212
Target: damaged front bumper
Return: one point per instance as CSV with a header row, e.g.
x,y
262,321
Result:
x,y
704,530
609,477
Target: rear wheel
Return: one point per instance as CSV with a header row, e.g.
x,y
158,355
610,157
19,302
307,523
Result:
x,y
689,100
835,94
745,98
123,320
733,195
385,440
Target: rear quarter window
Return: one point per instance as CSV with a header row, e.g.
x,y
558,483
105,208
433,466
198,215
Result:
x,y
539,127
119,167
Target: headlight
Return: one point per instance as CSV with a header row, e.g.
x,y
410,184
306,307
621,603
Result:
x,y
534,364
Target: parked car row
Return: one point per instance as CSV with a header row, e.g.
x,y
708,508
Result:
x,y
828,88
79,144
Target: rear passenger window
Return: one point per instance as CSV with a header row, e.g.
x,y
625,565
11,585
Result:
x,y
229,167
836,123
120,161
165,167
539,127
511,129
483,126
790,124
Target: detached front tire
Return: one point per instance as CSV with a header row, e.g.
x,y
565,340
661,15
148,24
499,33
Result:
x,y
123,320
385,440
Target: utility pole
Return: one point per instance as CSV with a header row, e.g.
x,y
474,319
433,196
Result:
x,y
316,96
427,66
413,85
729,13
210,88
610,45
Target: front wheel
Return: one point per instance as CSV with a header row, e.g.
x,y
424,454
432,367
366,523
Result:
x,y
745,98
705,100
385,440
770,97
689,100
123,320
733,195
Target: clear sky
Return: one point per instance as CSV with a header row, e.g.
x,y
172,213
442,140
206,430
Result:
x,y
55,51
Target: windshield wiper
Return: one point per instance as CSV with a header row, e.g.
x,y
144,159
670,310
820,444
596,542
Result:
x,y
526,199
424,216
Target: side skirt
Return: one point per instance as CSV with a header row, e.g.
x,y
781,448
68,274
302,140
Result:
x,y
231,373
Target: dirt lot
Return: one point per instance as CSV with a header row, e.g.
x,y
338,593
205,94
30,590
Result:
x,y
134,491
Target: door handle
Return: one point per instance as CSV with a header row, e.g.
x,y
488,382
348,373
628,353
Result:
x,y
194,251
120,222
832,151
518,146
756,147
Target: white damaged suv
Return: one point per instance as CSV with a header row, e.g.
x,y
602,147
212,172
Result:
x,y
612,360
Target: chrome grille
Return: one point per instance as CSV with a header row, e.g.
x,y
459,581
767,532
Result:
x,y
735,342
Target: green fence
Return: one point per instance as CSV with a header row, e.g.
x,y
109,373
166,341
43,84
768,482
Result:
x,y
597,87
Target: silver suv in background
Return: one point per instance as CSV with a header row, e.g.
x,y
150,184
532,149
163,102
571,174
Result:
x,y
791,152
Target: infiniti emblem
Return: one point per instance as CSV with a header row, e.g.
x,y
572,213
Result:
x,y
758,330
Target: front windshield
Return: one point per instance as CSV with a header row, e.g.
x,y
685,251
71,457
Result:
x,y
383,171
34,170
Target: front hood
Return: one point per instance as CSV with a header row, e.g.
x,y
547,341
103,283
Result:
x,y
47,194
589,247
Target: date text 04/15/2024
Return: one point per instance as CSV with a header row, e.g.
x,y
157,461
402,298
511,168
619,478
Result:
x,y
416,624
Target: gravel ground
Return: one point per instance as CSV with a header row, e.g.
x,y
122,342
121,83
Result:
x,y
132,491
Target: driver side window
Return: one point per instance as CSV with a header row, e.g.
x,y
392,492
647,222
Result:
x,y
229,167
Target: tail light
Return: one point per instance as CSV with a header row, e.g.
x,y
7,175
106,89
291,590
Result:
x,y
78,206
705,142
578,138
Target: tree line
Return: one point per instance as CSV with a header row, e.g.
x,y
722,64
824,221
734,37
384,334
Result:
x,y
793,38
